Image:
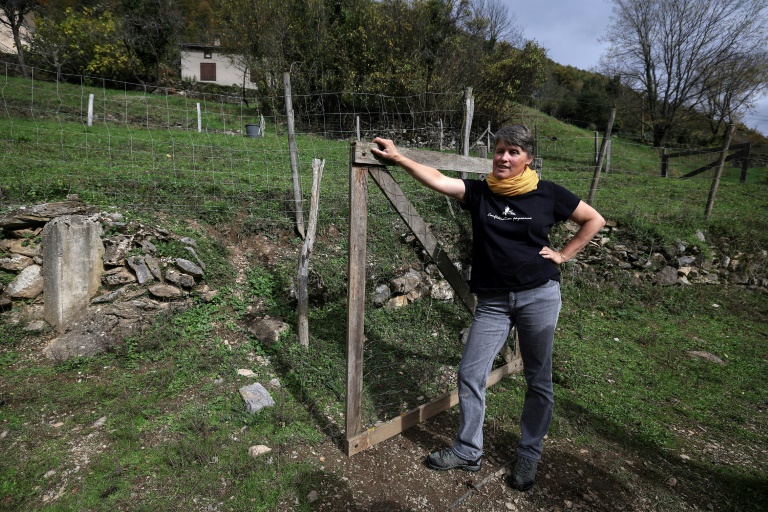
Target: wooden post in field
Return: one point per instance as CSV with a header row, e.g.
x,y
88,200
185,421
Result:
x,y
90,110
608,157
745,161
358,226
302,282
469,113
719,171
357,128
199,119
664,163
600,156
597,147
294,155
440,146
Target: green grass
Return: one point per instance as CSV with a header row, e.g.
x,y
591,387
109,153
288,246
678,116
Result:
x,y
176,432
176,428
624,381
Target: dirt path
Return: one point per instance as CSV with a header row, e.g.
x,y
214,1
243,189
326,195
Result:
x,y
392,476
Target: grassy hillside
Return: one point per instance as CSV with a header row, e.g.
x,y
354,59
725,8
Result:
x,y
176,433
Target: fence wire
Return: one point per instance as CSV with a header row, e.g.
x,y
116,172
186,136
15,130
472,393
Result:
x,y
166,149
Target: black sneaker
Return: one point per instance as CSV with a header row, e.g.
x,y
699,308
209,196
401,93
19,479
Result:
x,y
447,459
523,474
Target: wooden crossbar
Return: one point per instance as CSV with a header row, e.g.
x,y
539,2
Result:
x,y
362,156
710,165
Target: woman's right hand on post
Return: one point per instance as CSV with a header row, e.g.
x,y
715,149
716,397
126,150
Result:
x,y
386,150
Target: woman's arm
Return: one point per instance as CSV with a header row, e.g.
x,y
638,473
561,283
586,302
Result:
x,y
428,176
590,221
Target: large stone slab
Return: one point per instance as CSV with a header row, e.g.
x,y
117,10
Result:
x,y
256,397
44,212
27,285
72,252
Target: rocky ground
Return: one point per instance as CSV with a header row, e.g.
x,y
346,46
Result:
x,y
392,476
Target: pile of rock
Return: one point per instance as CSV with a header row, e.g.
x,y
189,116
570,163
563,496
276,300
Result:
x,y
135,280
678,264
412,286
130,257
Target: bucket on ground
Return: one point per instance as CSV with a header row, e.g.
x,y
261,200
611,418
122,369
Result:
x,y
253,130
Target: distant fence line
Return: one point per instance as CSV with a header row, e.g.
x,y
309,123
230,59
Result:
x,y
136,137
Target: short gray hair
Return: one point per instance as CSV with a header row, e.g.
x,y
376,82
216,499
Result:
x,y
516,135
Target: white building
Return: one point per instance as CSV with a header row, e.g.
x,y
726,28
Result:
x,y
7,45
201,63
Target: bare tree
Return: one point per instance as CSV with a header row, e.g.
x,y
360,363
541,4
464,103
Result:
x,y
672,51
731,88
492,21
12,15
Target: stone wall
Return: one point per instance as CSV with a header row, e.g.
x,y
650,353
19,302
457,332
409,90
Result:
x,y
134,282
90,275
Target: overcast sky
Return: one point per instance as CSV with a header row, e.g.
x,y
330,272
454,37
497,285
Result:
x,y
570,29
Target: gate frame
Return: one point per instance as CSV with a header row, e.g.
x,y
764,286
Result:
x,y
362,164
741,151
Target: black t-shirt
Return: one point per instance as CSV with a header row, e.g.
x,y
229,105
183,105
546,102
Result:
x,y
509,232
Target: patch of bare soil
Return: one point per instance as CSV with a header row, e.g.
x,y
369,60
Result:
x,y
392,476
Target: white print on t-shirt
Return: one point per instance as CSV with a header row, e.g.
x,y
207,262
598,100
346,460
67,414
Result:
x,y
508,218
508,212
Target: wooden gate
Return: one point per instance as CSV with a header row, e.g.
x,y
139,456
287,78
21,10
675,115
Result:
x,y
739,151
362,164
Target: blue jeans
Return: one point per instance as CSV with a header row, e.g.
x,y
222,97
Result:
x,y
534,313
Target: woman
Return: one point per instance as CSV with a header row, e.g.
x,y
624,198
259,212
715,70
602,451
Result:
x,y
516,280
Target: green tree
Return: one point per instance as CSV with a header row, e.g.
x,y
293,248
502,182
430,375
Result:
x,y
392,47
80,42
509,75
595,101
253,32
198,16
150,31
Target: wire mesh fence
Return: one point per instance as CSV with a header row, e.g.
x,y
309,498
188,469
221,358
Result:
x,y
189,151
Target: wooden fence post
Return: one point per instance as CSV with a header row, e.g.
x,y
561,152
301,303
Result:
x,y
90,110
294,155
597,147
599,164
664,162
719,172
358,225
357,128
745,161
469,112
302,281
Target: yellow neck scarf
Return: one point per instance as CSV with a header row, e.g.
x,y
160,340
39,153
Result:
x,y
523,183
